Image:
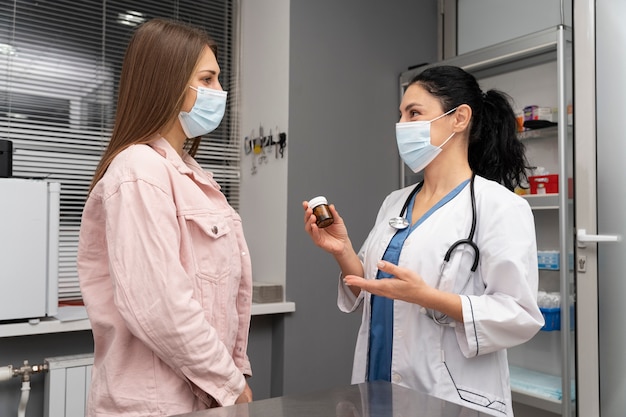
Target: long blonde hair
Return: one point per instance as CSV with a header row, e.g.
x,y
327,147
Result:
x,y
159,61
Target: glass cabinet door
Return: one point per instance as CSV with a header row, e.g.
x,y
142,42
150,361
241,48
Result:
x,y
536,70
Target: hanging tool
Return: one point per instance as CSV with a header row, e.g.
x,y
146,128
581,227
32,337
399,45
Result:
x,y
282,143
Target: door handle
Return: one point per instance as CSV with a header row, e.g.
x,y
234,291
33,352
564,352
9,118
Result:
x,y
582,237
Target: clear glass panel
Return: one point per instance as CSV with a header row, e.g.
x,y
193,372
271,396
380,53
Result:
x,y
568,290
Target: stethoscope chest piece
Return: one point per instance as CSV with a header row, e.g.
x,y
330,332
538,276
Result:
x,y
399,222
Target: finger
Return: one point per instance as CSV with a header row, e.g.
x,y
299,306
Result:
x,y
333,210
369,285
309,218
389,268
305,206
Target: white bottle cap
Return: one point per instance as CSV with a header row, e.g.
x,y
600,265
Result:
x,y
314,202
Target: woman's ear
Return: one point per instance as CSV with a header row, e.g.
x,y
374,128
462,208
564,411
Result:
x,y
462,117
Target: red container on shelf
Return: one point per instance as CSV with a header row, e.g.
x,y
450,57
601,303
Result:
x,y
544,184
548,184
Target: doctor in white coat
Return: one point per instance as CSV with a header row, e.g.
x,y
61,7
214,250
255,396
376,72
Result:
x,y
442,326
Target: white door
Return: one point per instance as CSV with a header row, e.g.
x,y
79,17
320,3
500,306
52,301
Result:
x,y
611,142
600,205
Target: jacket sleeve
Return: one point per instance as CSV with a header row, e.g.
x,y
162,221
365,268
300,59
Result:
x,y
507,313
154,294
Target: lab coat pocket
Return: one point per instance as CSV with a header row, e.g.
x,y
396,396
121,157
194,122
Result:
x,y
213,245
470,378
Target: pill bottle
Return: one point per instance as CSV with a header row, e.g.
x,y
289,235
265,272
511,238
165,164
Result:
x,y
541,188
519,119
323,217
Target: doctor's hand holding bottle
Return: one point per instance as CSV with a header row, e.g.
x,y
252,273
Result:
x,y
447,277
334,239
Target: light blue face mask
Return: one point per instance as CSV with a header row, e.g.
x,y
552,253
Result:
x,y
414,144
206,114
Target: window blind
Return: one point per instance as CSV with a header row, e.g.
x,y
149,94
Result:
x,y
60,62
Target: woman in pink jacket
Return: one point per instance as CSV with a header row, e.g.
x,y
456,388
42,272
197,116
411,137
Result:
x,y
163,264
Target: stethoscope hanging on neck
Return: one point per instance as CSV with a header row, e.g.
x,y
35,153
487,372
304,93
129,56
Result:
x,y
400,222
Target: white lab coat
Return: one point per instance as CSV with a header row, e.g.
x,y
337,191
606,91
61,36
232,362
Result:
x,y
499,306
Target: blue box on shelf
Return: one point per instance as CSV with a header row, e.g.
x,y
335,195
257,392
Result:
x,y
547,259
552,316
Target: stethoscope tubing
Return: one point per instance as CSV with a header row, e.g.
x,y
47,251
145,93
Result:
x,y
401,222
396,224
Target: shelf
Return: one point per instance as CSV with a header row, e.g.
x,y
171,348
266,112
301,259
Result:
x,y
273,308
522,52
536,389
44,326
543,201
548,132
53,325
536,402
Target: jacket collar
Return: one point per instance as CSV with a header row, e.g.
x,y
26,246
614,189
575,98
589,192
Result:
x,y
185,164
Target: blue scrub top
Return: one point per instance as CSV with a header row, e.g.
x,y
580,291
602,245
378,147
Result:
x,y
381,321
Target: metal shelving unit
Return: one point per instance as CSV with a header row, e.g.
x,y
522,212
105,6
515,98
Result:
x,y
547,46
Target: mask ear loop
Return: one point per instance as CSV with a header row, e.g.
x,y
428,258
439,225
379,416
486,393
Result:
x,y
446,141
453,133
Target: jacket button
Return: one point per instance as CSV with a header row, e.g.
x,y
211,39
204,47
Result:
x,y
214,229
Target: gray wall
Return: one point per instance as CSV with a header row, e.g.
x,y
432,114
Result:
x,y
345,58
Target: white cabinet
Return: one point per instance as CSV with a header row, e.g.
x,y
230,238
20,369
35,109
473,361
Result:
x,y
536,69
29,247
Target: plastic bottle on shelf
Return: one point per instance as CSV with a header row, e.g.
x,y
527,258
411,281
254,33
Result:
x,y
541,188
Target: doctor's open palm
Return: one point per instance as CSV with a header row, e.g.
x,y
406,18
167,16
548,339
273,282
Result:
x,y
406,285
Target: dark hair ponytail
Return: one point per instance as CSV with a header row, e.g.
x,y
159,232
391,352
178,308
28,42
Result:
x,y
495,152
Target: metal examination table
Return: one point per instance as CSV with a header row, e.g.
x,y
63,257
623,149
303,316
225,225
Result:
x,y
371,399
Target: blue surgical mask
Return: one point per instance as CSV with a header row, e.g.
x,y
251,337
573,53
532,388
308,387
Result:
x,y
206,113
414,145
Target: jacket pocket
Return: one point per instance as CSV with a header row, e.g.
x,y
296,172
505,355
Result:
x,y
213,245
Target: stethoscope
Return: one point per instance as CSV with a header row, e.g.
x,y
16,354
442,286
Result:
x,y
401,222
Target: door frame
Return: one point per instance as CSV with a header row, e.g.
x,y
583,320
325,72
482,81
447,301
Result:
x,y
586,217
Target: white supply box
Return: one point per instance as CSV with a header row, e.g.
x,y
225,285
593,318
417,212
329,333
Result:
x,y
29,248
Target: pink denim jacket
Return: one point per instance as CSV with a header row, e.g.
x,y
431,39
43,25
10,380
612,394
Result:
x,y
165,274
